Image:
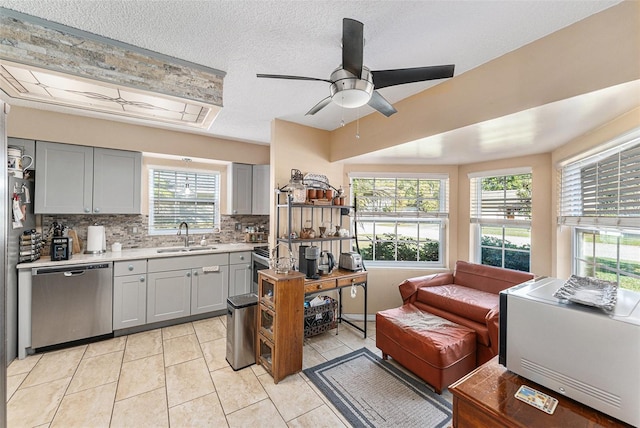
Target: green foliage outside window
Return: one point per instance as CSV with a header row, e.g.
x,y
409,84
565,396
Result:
x,y
491,254
407,248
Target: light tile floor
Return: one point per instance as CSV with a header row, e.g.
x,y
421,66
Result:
x,y
175,376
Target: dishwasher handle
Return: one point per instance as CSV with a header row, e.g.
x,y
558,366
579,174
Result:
x,y
74,273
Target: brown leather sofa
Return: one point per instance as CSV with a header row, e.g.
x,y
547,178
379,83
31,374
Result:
x,y
468,297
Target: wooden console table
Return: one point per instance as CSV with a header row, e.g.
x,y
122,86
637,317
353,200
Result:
x,y
485,398
339,279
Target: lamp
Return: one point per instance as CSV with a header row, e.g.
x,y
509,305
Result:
x,y
349,91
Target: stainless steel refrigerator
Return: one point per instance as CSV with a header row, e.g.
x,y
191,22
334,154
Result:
x,y
20,193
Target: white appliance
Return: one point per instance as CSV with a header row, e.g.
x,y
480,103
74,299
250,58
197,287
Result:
x,y
575,350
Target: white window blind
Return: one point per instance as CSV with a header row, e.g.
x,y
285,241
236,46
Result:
x,y
177,196
501,198
603,189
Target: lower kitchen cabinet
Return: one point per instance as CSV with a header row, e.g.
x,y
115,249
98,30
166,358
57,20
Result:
x,y
240,273
182,286
129,294
208,289
168,295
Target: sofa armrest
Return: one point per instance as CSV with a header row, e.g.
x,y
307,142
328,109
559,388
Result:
x,y
493,324
409,287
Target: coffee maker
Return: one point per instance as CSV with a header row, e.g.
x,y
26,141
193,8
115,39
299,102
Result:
x,y
311,256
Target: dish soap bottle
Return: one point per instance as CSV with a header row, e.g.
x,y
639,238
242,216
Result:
x,y
203,241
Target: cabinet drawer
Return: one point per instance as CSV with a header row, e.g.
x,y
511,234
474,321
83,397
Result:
x,y
320,285
241,257
133,267
356,279
188,262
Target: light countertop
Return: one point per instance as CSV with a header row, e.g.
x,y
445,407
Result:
x,y
136,254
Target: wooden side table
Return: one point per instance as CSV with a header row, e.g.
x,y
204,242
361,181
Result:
x,y
485,398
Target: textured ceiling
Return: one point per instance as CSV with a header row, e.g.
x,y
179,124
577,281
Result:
x,y
243,38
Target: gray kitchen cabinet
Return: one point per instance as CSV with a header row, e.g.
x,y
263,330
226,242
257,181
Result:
x,y
182,286
239,184
260,192
129,294
74,179
240,273
28,148
168,295
208,289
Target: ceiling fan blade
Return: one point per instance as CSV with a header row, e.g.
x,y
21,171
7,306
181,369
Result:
x,y
283,76
322,104
379,103
384,78
352,46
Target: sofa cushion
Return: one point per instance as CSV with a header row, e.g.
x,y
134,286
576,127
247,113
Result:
x,y
482,332
487,278
464,301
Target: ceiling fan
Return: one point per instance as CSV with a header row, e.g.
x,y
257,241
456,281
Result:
x,y
354,85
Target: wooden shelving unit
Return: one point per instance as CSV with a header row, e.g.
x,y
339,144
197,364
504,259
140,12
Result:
x,y
280,322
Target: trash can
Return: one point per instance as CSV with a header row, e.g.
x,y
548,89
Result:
x,y
241,330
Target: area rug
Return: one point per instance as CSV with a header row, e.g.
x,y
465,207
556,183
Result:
x,y
371,392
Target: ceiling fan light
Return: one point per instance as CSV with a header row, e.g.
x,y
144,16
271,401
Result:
x,y
351,98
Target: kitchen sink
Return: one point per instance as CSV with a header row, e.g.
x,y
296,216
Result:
x,y
184,249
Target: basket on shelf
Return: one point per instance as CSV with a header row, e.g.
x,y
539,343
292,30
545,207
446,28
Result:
x,y
321,318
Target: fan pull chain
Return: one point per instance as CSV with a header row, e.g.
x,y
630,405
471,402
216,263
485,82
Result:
x,y
342,118
357,124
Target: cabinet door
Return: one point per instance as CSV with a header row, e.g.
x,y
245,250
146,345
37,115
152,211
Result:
x,y
28,148
260,190
240,278
209,290
168,295
129,301
239,188
116,181
64,179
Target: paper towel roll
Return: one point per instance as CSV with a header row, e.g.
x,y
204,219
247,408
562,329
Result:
x,y
96,242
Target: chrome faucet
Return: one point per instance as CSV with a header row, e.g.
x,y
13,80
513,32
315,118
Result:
x,y
186,238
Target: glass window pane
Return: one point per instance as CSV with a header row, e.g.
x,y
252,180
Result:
x,y
491,236
385,251
429,231
491,257
517,260
630,283
407,231
430,251
519,238
407,250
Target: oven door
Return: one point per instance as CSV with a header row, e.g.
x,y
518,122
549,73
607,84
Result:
x,y
258,262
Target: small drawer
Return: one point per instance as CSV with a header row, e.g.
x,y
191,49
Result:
x,y
133,267
320,285
240,257
355,279
265,353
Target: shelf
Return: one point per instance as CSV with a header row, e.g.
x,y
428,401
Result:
x,y
298,240
301,205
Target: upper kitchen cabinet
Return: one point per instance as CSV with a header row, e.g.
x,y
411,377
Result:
x,y
260,190
240,182
28,148
248,189
74,179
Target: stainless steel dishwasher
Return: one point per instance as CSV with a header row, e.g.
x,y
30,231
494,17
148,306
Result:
x,y
71,302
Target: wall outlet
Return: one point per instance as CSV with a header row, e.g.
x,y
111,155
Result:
x,y
134,229
238,226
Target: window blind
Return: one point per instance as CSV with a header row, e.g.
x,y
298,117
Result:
x,y
401,197
501,198
602,190
178,196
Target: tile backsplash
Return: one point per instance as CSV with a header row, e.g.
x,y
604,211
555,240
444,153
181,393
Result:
x,y
132,231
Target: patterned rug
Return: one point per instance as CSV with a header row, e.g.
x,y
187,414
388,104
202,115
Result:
x,y
370,392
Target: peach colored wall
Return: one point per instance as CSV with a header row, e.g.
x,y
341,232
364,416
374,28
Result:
x,y
595,53
580,147
63,128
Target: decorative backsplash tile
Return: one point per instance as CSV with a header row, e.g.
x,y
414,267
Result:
x,y
120,228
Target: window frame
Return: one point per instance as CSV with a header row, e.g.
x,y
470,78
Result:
x,y
440,218
152,230
477,221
